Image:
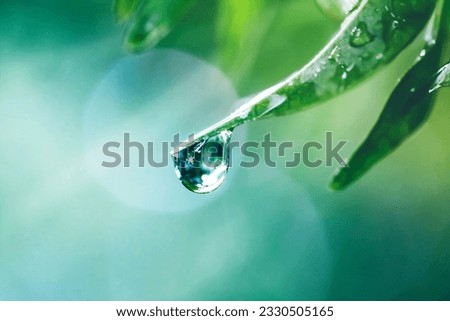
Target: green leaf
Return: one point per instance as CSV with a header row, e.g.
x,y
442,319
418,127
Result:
x,y
406,110
442,78
153,20
370,37
124,9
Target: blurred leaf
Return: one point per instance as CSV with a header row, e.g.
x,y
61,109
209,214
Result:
x,y
153,20
406,110
337,9
242,24
124,9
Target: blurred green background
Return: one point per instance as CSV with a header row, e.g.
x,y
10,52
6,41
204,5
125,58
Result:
x,y
268,234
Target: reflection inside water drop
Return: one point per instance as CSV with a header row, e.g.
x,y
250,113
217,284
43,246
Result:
x,y
202,167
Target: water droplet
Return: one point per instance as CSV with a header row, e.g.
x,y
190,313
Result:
x,y
274,101
334,54
203,166
395,24
360,36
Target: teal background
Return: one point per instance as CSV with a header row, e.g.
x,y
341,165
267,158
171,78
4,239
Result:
x,y
271,234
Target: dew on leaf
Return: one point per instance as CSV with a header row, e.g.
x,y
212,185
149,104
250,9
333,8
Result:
x,y
360,36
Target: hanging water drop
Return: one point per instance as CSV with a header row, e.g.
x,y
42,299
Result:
x,y
203,166
360,36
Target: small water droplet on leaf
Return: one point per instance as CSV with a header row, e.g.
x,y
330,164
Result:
x,y
360,36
